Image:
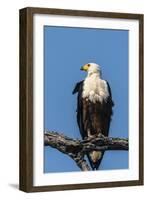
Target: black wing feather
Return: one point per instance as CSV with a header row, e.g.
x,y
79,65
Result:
x,y
110,95
79,88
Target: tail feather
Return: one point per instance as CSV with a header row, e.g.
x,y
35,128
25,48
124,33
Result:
x,y
95,163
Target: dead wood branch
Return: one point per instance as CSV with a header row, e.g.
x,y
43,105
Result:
x,y
77,149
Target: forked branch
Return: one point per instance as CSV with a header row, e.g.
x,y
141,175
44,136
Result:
x,y
77,149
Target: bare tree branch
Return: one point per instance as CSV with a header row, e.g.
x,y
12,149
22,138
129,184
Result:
x,y
77,149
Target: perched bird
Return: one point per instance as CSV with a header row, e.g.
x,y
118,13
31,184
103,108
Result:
x,y
94,108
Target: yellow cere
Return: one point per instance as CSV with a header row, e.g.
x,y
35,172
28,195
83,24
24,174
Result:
x,y
85,67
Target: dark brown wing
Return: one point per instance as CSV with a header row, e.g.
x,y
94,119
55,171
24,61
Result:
x,y
107,112
78,89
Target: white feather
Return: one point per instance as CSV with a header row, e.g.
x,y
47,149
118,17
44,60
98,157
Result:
x,y
95,89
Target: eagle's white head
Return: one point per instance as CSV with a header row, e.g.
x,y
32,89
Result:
x,y
92,68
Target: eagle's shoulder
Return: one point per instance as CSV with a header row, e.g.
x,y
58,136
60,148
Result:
x,y
110,93
77,87
107,86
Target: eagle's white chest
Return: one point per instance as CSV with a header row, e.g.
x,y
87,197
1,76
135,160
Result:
x,y
95,89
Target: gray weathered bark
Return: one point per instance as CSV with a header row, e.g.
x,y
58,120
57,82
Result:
x,y
77,149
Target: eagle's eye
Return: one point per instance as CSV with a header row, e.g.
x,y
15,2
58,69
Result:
x,y
88,65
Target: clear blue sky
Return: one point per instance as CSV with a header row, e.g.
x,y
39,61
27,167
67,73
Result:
x,y
66,50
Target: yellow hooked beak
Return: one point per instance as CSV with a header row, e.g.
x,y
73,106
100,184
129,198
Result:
x,y
85,67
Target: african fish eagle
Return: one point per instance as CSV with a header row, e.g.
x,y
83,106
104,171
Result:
x,y
94,108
